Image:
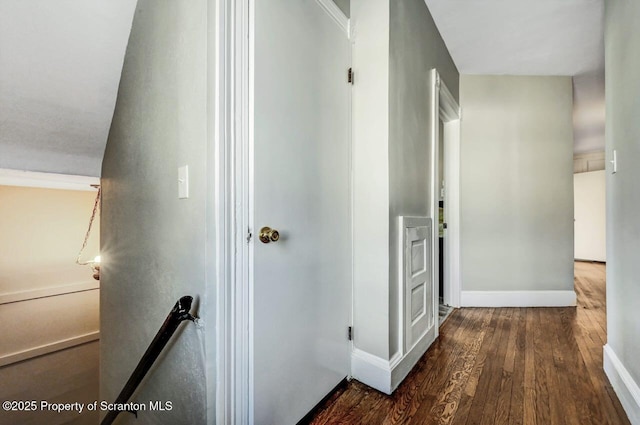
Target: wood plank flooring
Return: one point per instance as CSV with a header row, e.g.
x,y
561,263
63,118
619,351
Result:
x,y
525,366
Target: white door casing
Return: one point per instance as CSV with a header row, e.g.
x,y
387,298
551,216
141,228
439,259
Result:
x,y
300,299
446,109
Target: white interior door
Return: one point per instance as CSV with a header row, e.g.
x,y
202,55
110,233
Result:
x,y
301,187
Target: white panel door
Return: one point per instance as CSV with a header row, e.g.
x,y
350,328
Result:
x,y
419,289
301,155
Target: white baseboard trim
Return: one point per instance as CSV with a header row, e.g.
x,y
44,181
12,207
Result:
x,y
371,370
386,375
41,350
623,384
518,298
47,180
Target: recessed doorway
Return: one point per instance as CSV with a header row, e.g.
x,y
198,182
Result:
x,y
446,197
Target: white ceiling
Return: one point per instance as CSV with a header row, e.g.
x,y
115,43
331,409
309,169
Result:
x,y
533,37
60,64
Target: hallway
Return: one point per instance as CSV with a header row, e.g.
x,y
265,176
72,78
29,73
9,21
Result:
x,y
502,366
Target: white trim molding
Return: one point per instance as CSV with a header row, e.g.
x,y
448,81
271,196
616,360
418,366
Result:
x,y
448,106
371,370
336,14
47,180
230,86
52,347
625,387
518,298
53,291
387,375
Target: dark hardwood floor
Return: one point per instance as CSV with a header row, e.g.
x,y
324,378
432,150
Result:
x,y
501,366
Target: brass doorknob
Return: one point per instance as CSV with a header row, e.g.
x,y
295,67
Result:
x,y
267,234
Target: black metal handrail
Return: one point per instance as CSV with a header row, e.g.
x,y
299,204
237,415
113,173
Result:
x,y
178,314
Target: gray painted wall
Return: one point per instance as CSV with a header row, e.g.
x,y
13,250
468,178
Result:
x,y
345,6
516,183
152,243
415,47
622,41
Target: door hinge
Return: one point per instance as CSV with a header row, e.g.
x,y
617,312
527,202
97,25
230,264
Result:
x,y
350,76
350,333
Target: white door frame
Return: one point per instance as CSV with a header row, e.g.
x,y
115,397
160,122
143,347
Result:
x,y
445,108
231,127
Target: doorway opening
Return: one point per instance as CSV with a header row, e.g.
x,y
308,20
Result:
x,y
589,206
589,221
444,309
446,197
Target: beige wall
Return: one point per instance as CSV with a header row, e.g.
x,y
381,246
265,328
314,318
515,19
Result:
x,y
41,232
516,182
587,162
48,332
590,218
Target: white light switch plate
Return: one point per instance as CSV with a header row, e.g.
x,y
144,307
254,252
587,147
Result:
x,y
183,182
